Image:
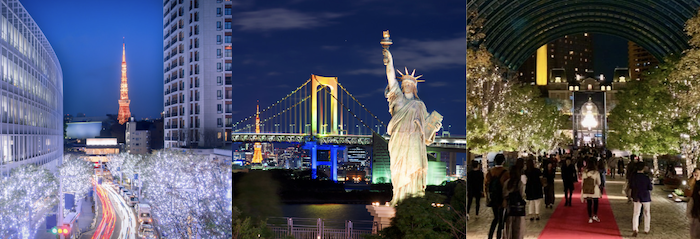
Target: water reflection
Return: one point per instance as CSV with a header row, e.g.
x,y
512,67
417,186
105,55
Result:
x,y
340,212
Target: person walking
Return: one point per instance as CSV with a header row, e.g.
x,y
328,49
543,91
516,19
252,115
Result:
x,y
493,185
533,189
549,174
641,195
514,192
475,187
630,172
568,177
590,189
621,167
602,168
693,207
612,164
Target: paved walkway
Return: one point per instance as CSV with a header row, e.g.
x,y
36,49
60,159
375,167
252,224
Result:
x,y
668,219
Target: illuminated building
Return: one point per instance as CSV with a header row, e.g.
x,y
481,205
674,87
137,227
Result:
x,y
197,73
31,92
98,149
572,53
257,153
640,61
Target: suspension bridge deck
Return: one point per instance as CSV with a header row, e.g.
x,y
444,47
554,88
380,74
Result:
x,y
440,142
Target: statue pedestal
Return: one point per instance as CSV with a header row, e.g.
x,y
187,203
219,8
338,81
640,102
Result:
x,y
382,216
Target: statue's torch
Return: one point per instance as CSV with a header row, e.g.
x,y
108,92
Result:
x,y
386,42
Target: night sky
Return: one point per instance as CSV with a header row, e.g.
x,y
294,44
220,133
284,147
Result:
x,y
609,52
279,44
87,38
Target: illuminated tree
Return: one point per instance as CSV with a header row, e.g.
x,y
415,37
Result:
x,y
75,174
531,123
686,89
646,118
29,188
188,194
486,89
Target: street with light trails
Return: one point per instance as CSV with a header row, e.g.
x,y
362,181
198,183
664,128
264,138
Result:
x,y
106,226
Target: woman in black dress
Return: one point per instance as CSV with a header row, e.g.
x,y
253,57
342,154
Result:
x,y
533,189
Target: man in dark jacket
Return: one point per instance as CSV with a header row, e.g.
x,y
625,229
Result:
x,y
568,176
475,187
496,173
641,195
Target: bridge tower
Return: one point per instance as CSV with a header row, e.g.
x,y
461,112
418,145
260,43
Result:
x,y
257,147
318,125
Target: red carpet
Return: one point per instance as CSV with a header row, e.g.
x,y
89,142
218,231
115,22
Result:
x,y
572,222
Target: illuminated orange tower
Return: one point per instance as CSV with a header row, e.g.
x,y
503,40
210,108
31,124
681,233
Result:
x,y
124,112
257,154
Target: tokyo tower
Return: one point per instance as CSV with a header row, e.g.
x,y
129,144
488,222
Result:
x,y
124,112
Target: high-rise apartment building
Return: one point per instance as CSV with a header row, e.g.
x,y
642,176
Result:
x,y
197,72
572,53
31,93
640,61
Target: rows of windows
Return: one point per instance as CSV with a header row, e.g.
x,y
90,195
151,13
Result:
x,y
14,147
31,89
16,33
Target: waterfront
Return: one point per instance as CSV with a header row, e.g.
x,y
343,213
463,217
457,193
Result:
x,y
336,212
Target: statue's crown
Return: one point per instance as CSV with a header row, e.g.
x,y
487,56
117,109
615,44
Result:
x,y
410,77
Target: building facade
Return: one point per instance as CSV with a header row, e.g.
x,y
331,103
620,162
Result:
x,y
31,92
197,73
137,137
640,61
572,53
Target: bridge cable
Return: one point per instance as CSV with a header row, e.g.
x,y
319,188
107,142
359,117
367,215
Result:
x,y
274,104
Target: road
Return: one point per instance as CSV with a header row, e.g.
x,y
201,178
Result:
x,y
107,224
125,215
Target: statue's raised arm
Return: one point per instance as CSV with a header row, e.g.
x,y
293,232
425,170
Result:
x,y
390,74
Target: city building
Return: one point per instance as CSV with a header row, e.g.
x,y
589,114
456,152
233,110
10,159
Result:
x,y
640,61
572,53
98,150
31,118
138,137
197,73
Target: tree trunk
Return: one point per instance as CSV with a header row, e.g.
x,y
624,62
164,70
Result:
x,y
689,164
656,166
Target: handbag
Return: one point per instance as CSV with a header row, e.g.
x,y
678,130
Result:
x,y
516,204
543,181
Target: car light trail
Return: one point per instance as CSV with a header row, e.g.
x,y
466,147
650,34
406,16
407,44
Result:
x,y
106,226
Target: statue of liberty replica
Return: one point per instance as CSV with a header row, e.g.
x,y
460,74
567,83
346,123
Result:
x,y
411,129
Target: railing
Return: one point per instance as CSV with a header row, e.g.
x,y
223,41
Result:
x,y
310,228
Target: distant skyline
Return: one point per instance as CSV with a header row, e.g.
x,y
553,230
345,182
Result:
x,y
87,38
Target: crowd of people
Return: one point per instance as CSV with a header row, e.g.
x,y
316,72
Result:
x,y
516,191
